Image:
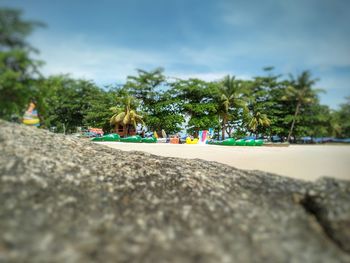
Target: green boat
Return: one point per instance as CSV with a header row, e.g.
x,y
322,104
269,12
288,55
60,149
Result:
x,y
240,142
227,142
259,142
136,138
250,142
149,140
107,138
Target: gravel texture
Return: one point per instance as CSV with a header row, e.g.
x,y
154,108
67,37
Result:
x,y
68,200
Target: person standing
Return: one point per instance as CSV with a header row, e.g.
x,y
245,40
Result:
x,y
31,117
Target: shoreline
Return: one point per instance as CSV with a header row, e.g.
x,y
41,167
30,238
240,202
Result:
x,y
306,162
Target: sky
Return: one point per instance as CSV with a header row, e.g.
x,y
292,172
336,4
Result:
x,y
107,40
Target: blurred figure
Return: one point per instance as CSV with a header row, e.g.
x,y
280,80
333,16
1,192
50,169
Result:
x,y
31,117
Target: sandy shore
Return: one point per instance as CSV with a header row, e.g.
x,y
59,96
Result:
x,y
307,162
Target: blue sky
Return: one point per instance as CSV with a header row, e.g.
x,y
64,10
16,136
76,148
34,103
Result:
x,y
107,40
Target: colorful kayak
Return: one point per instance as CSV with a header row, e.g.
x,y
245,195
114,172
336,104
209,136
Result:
x,y
189,141
259,142
227,142
107,138
31,121
136,138
240,142
250,142
149,140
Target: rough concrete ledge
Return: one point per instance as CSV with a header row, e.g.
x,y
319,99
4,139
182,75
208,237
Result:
x,y
69,200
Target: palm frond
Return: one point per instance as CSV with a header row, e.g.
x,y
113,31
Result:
x,y
117,118
126,119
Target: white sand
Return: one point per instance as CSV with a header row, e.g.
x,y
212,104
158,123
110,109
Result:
x,y
307,162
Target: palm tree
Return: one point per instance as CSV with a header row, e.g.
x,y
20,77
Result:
x,y
301,92
231,93
143,86
258,119
125,116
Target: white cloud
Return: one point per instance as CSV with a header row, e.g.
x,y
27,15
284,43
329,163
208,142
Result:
x,y
205,56
208,76
83,58
302,33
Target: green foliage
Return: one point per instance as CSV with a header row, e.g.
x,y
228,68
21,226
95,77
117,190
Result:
x,y
341,120
301,93
165,114
265,105
197,103
17,82
159,104
145,85
98,113
125,115
238,133
18,72
232,97
75,103
279,111
258,120
14,30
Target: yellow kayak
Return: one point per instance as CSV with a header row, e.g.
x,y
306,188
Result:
x,y
31,121
189,141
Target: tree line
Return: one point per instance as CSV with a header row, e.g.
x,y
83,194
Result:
x,y
270,104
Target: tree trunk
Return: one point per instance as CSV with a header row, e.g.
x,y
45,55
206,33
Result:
x,y
125,131
229,131
223,128
293,122
196,133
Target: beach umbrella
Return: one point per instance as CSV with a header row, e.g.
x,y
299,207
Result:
x,y
164,134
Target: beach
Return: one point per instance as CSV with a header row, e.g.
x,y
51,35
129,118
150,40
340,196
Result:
x,y
307,162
